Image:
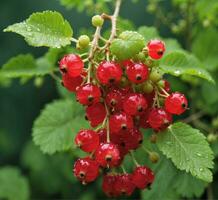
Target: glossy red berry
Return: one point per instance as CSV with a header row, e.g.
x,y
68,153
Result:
x,y
124,185
86,170
143,120
108,185
109,72
166,86
176,103
87,140
107,155
96,114
132,139
88,94
120,122
71,83
142,176
114,99
156,49
102,135
72,65
159,119
137,73
126,63
135,104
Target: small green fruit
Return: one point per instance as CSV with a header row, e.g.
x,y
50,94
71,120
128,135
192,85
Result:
x,y
161,84
155,76
154,157
147,87
153,138
84,41
212,138
97,21
38,82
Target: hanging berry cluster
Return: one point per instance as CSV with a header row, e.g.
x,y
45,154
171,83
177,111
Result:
x,y
120,98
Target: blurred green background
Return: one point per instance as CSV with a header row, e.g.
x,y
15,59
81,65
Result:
x,y
50,177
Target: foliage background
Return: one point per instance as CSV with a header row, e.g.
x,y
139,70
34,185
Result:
x,y
50,177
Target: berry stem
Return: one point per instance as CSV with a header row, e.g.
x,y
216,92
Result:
x,y
123,168
55,77
134,159
74,40
146,150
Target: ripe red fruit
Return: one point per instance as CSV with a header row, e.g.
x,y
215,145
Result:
x,y
87,140
71,83
143,121
86,170
156,49
132,139
96,114
107,155
123,185
176,103
88,94
142,176
137,73
109,72
102,135
159,119
120,122
114,99
134,104
72,65
166,86
126,63
108,185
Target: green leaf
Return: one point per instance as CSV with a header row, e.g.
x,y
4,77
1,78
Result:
x,y
203,47
58,123
25,66
127,45
179,63
188,149
148,33
44,29
13,185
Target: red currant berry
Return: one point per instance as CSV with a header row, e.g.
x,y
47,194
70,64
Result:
x,y
87,140
137,73
166,86
142,176
156,49
132,139
159,119
120,122
71,83
102,135
88,94
134,104
150,98
96,114
72,65
108,185
109,72
176,103
114,99
86,170
126,63
143,121
124,185
107,155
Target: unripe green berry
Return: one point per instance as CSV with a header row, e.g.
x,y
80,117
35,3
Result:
x,y
97,21
124,81
215,123
147,87
38,82
153,138
155,76
161,83
154,157
212,138
84,41
138,88
140,57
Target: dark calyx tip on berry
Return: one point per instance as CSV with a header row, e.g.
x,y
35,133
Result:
x,y
62,83
123,193
64,70
111,80
138,77
113,102
123,144
86,118
108,158
140,141
184,106
90,98
160,52
140,109
123,127
81,174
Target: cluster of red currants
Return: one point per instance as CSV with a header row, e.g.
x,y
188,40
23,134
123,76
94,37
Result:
x,y
119,98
